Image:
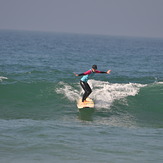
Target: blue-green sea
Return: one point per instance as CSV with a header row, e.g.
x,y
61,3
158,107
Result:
x,y
39,119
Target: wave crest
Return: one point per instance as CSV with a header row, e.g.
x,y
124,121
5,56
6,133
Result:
x,y
104,93
2,78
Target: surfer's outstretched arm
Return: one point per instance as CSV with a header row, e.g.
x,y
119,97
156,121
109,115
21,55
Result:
x,y
89,72
106,72
85,73
76,74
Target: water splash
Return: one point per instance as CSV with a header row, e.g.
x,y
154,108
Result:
x,y
71,93
2,78
104,93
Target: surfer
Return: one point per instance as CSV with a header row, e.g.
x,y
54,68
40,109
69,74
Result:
x,y
84,80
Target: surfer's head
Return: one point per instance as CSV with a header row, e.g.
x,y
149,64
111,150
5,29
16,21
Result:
x,y
94,67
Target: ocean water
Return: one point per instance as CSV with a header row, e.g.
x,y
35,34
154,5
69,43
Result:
x,y
39,120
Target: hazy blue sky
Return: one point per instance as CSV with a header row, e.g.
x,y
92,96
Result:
x,y
112,17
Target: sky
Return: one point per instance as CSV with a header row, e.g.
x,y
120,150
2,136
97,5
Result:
x,y
141,18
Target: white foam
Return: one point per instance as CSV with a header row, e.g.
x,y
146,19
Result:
x,y
2,78
71,93
104,93
159,82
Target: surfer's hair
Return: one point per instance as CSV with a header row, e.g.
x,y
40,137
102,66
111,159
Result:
x,y
94,67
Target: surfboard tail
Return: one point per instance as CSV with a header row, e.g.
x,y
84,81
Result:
x,y
88,104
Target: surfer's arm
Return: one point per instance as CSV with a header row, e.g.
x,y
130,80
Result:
x,y
85,73
104,72
78,74
82,74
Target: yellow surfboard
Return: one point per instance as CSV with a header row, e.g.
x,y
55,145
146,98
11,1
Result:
x,y
88,104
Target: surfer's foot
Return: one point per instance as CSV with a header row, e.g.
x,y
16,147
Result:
x,y
84,102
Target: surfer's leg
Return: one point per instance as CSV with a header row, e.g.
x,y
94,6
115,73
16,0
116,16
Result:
x,y
87,90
